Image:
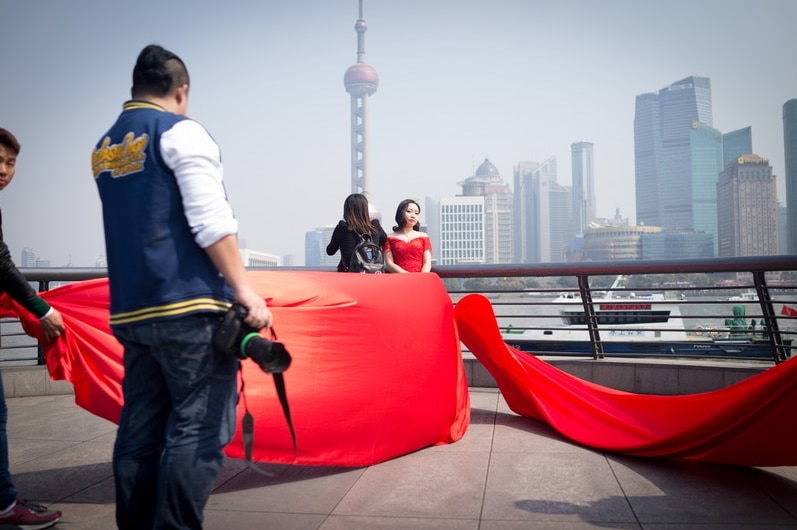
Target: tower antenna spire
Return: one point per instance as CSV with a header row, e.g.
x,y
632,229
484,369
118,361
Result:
x,y
361,82
361,37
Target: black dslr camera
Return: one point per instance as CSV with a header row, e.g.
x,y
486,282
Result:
x,y
241,340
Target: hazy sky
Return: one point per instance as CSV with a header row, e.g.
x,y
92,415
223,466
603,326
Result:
x,y
459,81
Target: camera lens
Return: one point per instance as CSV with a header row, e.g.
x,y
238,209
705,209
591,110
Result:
x,y
257,348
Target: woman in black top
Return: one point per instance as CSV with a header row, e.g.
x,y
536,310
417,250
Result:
x,y
356,221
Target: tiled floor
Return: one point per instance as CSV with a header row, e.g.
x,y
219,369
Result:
x,y
507,473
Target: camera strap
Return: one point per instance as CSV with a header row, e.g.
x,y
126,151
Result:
x,y
248,421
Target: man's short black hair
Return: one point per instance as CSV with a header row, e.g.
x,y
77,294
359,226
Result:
x,y
9,140
157,72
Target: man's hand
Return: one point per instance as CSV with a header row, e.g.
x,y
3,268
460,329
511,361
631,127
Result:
x,y
258,315
52,325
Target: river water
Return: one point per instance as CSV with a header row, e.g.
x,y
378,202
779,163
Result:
x,y
519,311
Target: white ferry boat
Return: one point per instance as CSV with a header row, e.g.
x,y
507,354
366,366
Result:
x,y
629,324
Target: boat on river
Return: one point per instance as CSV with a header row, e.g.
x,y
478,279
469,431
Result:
x,y
639,325
747,296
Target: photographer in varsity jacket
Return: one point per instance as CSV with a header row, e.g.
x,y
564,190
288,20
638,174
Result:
x,y
174,269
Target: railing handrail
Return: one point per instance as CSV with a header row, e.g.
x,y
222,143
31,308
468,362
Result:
x,y
780,262
757,266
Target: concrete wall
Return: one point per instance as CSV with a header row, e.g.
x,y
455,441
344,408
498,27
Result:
x,y
24,381
641,376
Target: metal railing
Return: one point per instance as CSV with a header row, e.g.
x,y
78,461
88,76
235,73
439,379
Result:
x,y
704,291
524,300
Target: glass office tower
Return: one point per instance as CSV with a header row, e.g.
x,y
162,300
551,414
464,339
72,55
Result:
x,y
735,144
583,188
667,127
705,151
790,150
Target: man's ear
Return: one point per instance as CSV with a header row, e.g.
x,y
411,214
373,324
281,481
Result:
x,y
181,94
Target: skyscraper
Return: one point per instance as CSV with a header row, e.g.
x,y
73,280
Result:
x,y
705,151
315,248
459,228
361,82
29,258
486,182
790,141
583,189
735,144
542,213
747,208
665,125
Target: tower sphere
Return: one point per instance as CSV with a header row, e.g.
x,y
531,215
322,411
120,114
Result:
x,y
360,79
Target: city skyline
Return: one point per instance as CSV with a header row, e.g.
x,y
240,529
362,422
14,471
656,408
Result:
x,y
509,81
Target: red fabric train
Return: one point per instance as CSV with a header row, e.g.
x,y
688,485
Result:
x,y
377,369
750,423
378,374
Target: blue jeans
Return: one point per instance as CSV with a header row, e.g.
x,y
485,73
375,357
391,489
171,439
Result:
x,y
178,414
8,493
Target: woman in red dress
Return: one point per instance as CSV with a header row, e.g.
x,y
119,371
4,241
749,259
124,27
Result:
x,y
407,248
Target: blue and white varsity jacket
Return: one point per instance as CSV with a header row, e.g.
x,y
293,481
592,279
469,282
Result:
x,y
159,176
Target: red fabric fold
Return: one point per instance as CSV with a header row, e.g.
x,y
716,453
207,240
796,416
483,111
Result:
x,y
377,369
749,423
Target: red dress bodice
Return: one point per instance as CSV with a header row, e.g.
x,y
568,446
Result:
x,y
408,254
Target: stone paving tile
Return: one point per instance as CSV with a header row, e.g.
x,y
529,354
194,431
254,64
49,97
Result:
x,y
286,489
342,522
554,487
507,473
687,492
423,484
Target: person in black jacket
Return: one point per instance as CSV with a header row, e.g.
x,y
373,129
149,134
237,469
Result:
x,y
356,221
14,511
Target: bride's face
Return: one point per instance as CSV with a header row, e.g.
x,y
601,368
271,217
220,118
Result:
x,y
411,214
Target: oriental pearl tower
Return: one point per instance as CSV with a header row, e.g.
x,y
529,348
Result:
x,y
360,81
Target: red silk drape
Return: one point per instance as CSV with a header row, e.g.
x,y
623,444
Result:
x,y
377,373
750,423
377,369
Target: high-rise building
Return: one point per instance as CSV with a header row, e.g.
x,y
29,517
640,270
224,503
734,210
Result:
x,y
524,228
583,186
677,243
705,148
315,248
735,144
542,213
783,220
457,224
615,243
790,149
665,125
361,82
747,208
30,258
255,258
486,182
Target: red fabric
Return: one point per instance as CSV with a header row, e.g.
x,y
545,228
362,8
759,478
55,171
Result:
x,y
788,311
750,423
377,369
408,255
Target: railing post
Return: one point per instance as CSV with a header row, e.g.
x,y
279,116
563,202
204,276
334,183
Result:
x,y
770,319
589,314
